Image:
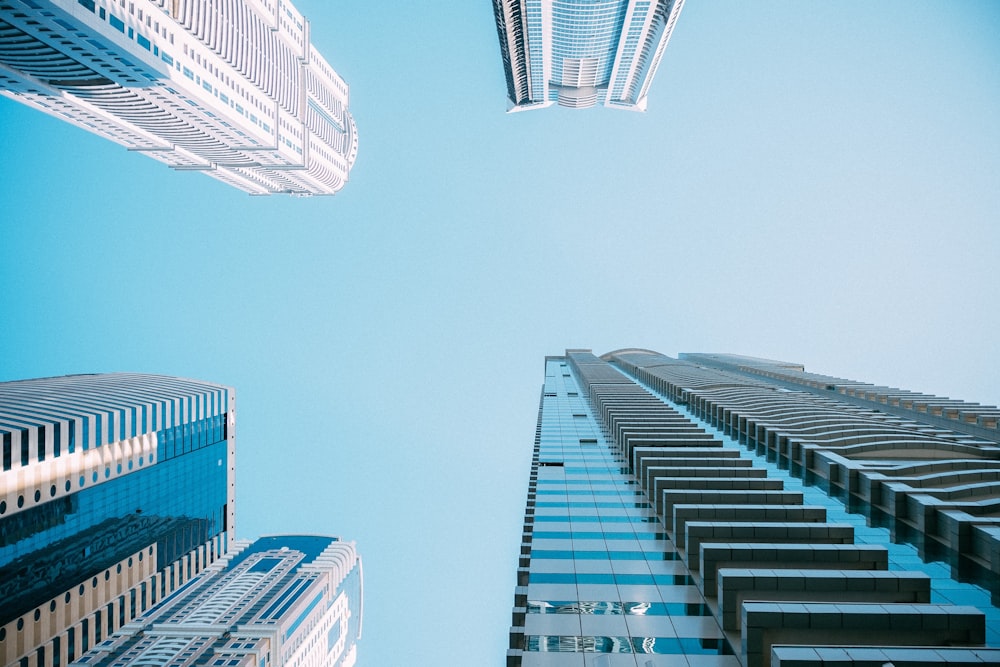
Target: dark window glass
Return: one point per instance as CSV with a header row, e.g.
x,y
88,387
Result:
x,y
123,517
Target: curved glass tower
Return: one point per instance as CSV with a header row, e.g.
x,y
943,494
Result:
x,y
581,52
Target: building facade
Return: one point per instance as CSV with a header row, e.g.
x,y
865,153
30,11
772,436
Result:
x,y
235,90
284,601
726,511
578,53
116,489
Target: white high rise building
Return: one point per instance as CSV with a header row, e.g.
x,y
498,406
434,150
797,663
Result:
x,y
280,601
234,89
581,52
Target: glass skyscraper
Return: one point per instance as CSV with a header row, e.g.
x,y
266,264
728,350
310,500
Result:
x,y
233,89
726,511
283,601
581,52
116,489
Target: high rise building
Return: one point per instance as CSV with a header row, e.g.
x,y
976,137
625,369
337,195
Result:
x,y
285,601
233,89
581,52
725,511
116,489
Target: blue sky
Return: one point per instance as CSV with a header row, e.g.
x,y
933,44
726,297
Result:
x,y
813,182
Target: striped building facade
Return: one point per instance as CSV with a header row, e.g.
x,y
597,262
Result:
x,y
580,52
234,89
725,511
282,601
115,490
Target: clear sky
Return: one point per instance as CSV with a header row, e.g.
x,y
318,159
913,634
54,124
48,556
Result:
x,y
814,181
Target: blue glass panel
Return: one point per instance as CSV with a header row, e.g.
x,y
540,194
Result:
x,y
49,548
301,617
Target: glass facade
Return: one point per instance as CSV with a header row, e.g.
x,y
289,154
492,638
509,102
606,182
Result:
x,y
581,52
656,534
584,31
604,577
53,547
121,490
